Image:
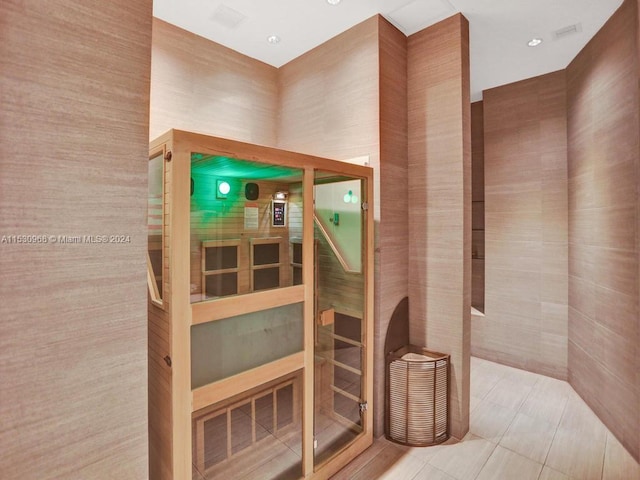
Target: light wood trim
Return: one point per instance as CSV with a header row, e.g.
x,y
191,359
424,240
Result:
x,y
327,317
282,253
203,260
157,296
345,422
221,390
344,366
332,465
344,393
226,307
368,317
343,339
179,168
211,145
221,243
308,280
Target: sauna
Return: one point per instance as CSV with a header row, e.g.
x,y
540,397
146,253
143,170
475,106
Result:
x,y
260,275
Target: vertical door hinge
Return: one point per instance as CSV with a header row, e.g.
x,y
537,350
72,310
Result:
x,y
363,407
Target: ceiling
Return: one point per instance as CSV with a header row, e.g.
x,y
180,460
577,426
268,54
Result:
x,y
499,29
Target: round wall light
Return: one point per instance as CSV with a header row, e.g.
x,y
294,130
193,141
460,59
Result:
x,y
222,188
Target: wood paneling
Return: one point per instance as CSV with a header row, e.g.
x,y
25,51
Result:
x,y
223,219
604,175
440,201
73,337
393,229
201,86
526,260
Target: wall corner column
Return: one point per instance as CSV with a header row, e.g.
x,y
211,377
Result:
x,y
439,126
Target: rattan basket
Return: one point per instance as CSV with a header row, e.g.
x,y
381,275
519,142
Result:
x,y
417,396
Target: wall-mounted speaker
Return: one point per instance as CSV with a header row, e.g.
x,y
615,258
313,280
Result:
x,y
251,191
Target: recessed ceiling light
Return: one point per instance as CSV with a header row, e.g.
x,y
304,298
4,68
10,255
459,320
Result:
x,y
333,2
534,42
273,39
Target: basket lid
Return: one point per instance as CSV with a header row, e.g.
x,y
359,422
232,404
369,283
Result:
x,y
416,357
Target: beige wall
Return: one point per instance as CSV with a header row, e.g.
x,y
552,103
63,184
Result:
x,y
73,339
604,177
440,201
393,227
526,252
201,86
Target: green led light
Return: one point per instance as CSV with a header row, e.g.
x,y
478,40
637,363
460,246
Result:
x,y
222,188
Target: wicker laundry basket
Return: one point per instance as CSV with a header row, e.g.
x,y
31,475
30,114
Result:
x,y
417,396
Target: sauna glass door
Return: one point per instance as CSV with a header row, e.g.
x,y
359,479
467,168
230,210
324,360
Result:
x,y
340,309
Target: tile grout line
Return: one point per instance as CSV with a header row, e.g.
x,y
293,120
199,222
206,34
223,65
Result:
x,y
495,446
604,454
554,436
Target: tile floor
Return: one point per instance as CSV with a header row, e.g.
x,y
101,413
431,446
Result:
x,y
523,427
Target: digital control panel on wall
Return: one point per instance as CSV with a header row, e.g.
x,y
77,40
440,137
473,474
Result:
x,y
279,217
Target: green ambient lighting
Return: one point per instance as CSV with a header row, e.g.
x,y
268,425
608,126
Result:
x,y
223,189
350,197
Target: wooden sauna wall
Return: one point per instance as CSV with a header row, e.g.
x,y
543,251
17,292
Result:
x,y
159,347
160,422
223,219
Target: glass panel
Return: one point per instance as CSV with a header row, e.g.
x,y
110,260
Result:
x,y
339,347
226,347
338,212
154,222
233,227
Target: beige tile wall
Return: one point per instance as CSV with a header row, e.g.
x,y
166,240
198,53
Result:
x,y
394,225
201,86
440,201
604,177
346,99
525,186
73,340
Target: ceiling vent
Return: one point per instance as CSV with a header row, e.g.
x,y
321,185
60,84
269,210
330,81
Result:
x,y
567,31
227,17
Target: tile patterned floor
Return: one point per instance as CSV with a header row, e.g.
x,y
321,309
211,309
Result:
x,y
523,427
